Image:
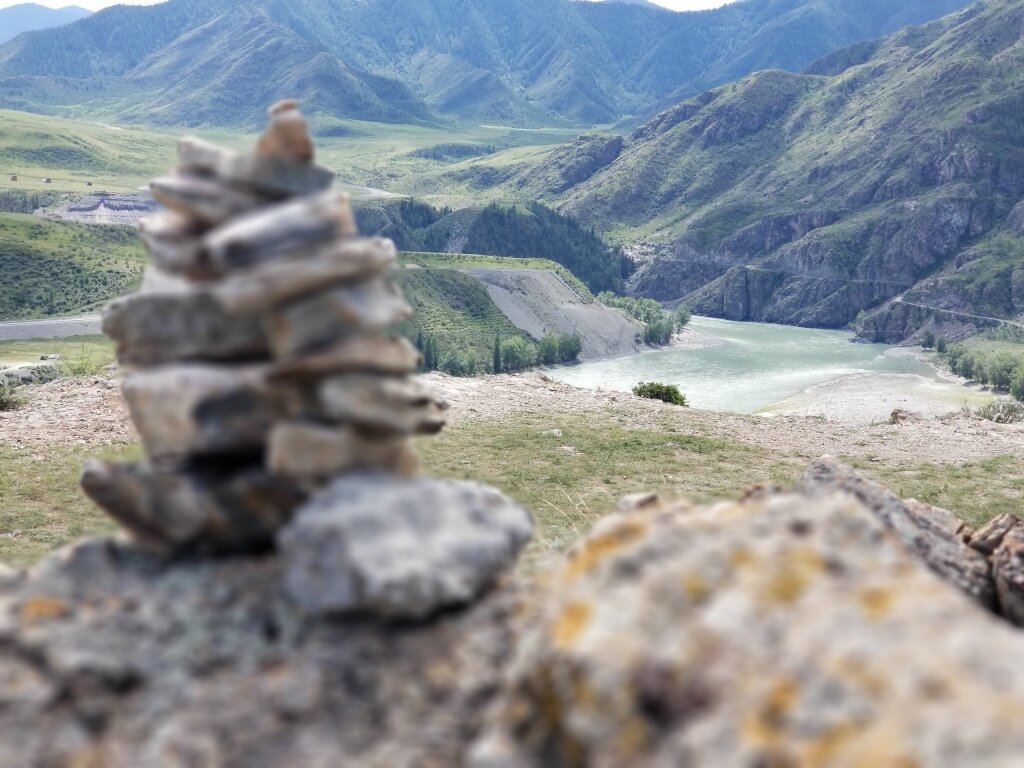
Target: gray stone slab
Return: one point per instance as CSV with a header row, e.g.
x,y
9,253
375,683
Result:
x,y
402,549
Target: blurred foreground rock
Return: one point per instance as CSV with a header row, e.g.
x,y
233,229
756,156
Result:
x,y
785,629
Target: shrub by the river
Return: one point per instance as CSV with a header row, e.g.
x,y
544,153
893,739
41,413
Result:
x,y
668,393
1002,412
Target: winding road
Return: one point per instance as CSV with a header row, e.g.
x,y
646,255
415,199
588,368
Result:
x,y
64,327
899,300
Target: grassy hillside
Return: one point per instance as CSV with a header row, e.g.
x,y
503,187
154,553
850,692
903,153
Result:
x,y
456,311
55,268
810,198
74,152
527,62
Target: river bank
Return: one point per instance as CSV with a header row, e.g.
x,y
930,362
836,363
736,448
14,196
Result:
x,y
755,368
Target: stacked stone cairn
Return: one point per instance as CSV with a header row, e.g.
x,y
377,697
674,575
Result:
x,y
267,369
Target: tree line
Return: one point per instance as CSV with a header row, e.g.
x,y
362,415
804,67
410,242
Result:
x,y
510,354
1001,370
659,325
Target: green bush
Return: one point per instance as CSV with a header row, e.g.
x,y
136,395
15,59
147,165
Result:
x,y
517,354
9,399
928,342
683,315
1017,385
460,365
659,325
1001,371
668,393
1002,412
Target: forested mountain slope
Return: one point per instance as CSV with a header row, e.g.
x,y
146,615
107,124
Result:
x,y
889,167
523,62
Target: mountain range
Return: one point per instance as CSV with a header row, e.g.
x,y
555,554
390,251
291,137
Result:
x,y
28,17
527,62
885,181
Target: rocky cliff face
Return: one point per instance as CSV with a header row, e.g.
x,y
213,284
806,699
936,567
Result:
x,y
782,629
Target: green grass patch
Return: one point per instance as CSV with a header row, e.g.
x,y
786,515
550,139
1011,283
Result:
x,y
570,480
41,505
975,491
79,355
471,261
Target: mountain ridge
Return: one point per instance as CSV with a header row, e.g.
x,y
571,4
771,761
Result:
x,y
529,62
29,17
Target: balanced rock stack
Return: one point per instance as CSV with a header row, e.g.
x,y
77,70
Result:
x,y
267,369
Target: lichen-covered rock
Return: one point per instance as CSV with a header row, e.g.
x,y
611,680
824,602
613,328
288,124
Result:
x,y
933,534
403,549
988,538
112,659
1008,570
779,631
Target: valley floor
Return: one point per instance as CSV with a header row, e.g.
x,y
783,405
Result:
x,y
567,453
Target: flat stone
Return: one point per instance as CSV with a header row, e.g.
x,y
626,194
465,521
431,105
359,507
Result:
x,y
988,538
785,630
383,403
373,305
174,244
281,230
273,176
203,200
400,548
206,510
199,409
154,328
309,451
287,135
364,353
276,282
1008,571
933,534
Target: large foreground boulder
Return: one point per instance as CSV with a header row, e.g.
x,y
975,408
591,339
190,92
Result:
x,y
781,630
112,659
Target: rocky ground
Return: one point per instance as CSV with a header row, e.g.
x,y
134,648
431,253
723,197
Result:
x,y
948,440
90,412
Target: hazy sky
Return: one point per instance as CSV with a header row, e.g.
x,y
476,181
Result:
x,y
679,5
